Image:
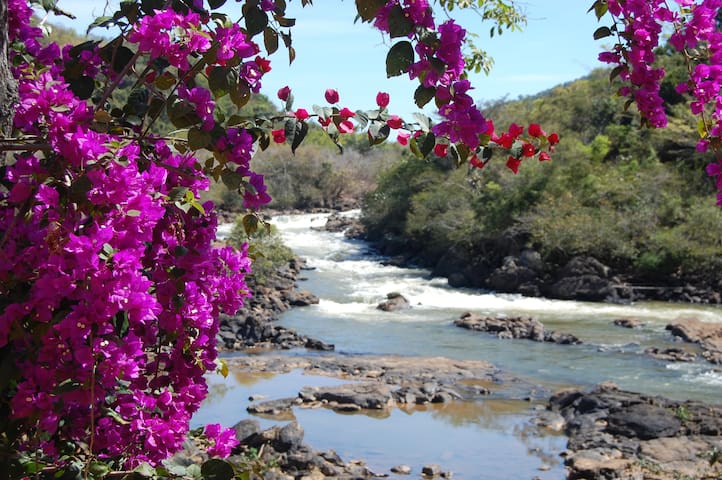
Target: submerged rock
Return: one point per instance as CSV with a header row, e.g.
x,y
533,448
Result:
x,y
671,354
628,322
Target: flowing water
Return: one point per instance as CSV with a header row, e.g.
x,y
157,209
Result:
x,y
351,280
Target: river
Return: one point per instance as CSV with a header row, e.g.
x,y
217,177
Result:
x,y
351,280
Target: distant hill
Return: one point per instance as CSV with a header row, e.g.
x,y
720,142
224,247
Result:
x,y
634,199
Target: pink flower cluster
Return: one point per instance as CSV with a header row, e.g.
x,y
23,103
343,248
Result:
x,y
110,286
639,26
695,28
440,66
171,35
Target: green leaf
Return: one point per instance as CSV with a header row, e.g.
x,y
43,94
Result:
x,y
215,468
198,139
149,5
367,9
194,471
301,132
264,141
615,72
600,8
250,226
182,114
231,179
289,102
98,469
285,22
414,146
424,95
378,133
399,58
427,144
100,22
165,80
362,119
122,57
256,19
220,81
82,87
177,193
214,4
270,40
424,121
702,128
602,32
240,93
177,470
144,469
222,367
399,24
461,153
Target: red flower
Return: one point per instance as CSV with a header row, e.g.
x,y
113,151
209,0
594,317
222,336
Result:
x,y
301,114
513,164
345,113
279,136
553,139
346,126
528,150
505,140
331,95
544,156
324,121
515,130
403,138
284,93
394,122
441,149
263,64
475,162
535,130
382,99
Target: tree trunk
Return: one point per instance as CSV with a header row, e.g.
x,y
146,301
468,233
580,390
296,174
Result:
x,y
8,86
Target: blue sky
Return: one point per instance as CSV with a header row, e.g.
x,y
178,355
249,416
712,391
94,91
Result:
x,y
332,52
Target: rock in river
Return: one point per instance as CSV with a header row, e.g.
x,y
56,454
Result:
x,y
514,327
706,335
394,301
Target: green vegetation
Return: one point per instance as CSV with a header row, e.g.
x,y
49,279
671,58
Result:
x,y
265,247
636,199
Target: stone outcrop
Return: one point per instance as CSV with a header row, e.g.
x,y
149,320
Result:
x,y
615,434
413,380
707,335
252,326
514,327
350,226
671,354
279,453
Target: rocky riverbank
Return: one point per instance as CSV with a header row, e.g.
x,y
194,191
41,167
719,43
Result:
x,y
253,327
612,434
506,265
